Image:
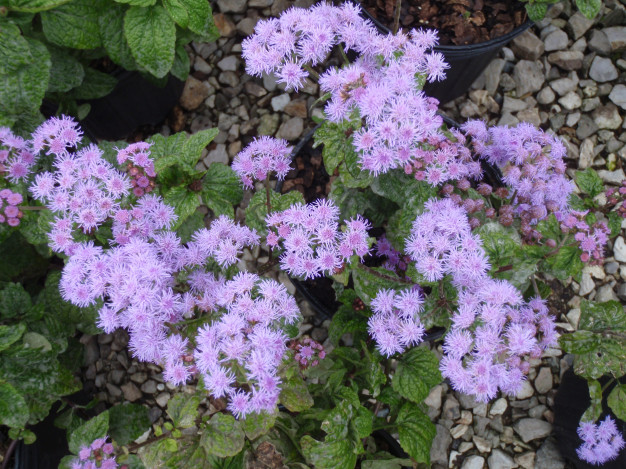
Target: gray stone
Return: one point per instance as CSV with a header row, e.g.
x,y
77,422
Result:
x,y
434,397
618,95
571,101
474,462
619,249
217,155
500,460
567,59
527,46
586,154
589,104
113,390
602,69
586,284
226,121
543,381
528,77
279,102
572,119
607,117
617,37
269,82
149,387
92,352
254,89
225,26
232,6
556,40
292,129
526,391
599,42
549,456
131,392
229,63
162,399
613,177
260,3
439,448
605,293
228,78
492,75
246,26
513,105
268,124
578,24
546,96
529,115
526,460
611,267
621,291
451,408
563,85
194,94
200,65
537,411
319,334
586,127
531,429
117,375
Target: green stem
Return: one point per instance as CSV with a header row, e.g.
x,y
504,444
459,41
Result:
x,y
383,276
312,72
396,19
35,207
343,54
606,386
383,427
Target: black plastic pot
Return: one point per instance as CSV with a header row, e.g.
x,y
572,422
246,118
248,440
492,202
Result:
x,y
571,401
134,102
466,62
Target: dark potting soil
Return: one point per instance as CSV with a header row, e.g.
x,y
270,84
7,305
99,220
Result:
x,y
459,22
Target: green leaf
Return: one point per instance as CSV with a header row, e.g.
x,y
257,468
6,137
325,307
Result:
x,y
328,455
66,72
369,281
192,148
166,151
192,224
599,317
589,182
127,422
257,210
151,35
416,432
343,321
35,340
363,422
183,410
13,409
255,425
387,463
565,263
96,427
614,223
594,410
294,394
111,24
617,401
22,92
223,436
14,49
74,24
417,373
34,6
11,334
180,67
401,188
536,11
184,202
221,189
337,141
95,85
14,301
589,8
191,14
139,3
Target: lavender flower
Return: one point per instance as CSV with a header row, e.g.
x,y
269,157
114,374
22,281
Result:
x,y
99,454
9,210
16,156
601,442
261,157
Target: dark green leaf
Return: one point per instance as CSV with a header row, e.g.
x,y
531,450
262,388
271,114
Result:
x,y
599,317
369,281
14,49
183,410
594,410
328,455
74,24
139,3
257,210
167,151
363,422
184,202
294,394
337,142
34,6
614,223
589,182
221,189
345,320
127,422
255,425
192,224
589,8
66,72
11,334
417,373
189,14
536,11
14,301
402,188
96,427
223,436
111,24
617,401
387,463
151,35
13,409
95,85
416,432
180,67
565,263
192,148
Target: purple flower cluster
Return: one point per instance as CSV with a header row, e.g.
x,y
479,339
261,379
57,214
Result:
x,y
494,333
147,217
395,324
532,165
617,197
307,352
246,338
261,157
16,156
395,260
284,46
139,167
98,455
312,243
590,238
601,442
9,210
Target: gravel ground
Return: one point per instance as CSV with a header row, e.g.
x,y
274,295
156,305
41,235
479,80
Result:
x,y
566,74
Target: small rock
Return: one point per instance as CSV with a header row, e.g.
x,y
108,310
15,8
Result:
x,y
586,154
589,104
607,117
567,60
269,82
500,460
268,124
224,25
217,155
618,95
528,77
474,462
526,460
194,94
117,375
279,102
292,129
617,37
526,391
296,108
483,445
599,42
451,409
319,334
498,407
441,443
619,249
572,119
260,3
513,105
543,381
605,293
613,177
531,429
232,6
549,456
246,26
434,397
229,63
602,70
529,115
563,86
149,387
92,352
492,75
162,399
578,24
458,431
556,40
537,411
586,284
113,390
254,89
571,101
131,392
545,96
228,78
586,127
527,46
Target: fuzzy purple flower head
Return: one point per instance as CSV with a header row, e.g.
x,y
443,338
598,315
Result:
x,y
263,156
602,442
